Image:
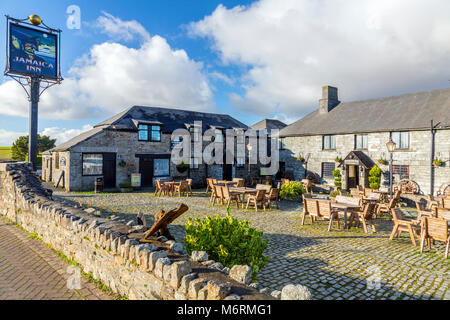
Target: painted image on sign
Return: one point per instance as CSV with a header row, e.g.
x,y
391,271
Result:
x,y
32,52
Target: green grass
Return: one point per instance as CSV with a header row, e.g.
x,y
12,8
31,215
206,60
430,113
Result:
x,y
5,153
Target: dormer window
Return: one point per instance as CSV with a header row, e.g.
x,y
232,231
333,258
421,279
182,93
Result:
x,y
149,133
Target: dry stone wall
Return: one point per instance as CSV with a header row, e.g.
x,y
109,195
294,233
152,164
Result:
x,y
111,251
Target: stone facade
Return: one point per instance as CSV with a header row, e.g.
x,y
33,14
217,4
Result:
x,y
417,157
126,146
109,250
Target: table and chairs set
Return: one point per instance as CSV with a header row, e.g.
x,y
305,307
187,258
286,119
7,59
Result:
x,y
228,192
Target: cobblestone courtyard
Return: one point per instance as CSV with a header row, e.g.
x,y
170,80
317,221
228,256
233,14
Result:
x,y
333,265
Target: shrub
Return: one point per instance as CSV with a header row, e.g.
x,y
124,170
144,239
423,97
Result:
x,y
374,177
227,240
337,178
125,185
335,193
291,190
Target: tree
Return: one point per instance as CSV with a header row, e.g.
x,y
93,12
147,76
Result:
x,y
19,148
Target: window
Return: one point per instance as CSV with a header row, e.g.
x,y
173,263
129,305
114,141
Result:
x,y
401,140
161,167
327,169
361,141
143,132
240,162
92,164
57,160
194,163
401,171
281,143
156,133
329,143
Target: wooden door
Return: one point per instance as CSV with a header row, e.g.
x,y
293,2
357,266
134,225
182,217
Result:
x,y
352,176
109,170
227,172
146,171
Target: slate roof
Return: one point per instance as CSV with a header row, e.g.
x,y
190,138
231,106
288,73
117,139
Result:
x,y
171,119
76,140
268,124
404,112
361,156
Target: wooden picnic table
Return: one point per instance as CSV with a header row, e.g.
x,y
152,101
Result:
x,y
171,185
243,191
346,207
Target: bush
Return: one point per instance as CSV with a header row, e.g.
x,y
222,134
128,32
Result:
x,y
291,190
227,240
374,177
337,178
125,185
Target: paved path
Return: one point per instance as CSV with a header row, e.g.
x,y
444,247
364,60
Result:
x,y
333,265
31,271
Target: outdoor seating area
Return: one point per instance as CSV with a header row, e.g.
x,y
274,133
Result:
x,y
173,188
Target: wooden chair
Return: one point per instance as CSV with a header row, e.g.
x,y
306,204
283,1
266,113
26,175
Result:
x,y
311,208
189,181
307,184
273,196
229,196
441,213
239,182
182,188
435,229
432,202
422,210
366,215
285,181
263,187
367,192
259,198
446,203
218,194
387,207
327,212
161,188
208,185
401,225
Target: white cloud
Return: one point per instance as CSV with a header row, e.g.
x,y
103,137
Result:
x,y
8,137
113,77
293,47
119,30
60,134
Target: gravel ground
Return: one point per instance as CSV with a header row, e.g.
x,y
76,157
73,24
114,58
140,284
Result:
x,y
333,265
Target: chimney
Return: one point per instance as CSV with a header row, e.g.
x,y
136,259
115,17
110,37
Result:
x,y
329,99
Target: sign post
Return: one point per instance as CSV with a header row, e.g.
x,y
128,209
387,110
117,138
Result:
x,y
33,59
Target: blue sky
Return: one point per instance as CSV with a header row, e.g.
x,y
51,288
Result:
x,y
251,59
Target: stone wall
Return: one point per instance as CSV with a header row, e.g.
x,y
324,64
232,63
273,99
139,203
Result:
x,y
125,145
110,250
417,157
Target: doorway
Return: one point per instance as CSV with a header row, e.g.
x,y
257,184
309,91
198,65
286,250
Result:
x,y
146,171
109,170
352,176
227,172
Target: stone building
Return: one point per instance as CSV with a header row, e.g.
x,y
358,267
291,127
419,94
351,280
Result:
x,y
138,140
352,137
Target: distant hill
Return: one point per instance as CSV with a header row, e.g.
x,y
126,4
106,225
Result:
x,y
5,153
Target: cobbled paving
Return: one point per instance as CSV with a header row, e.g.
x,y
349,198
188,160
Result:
x,y
333,265
31,271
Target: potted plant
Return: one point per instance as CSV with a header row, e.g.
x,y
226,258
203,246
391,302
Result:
x,y
182,167
300,158
375,177
382,161
338,159
125,187
122,163
437,162
337,178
